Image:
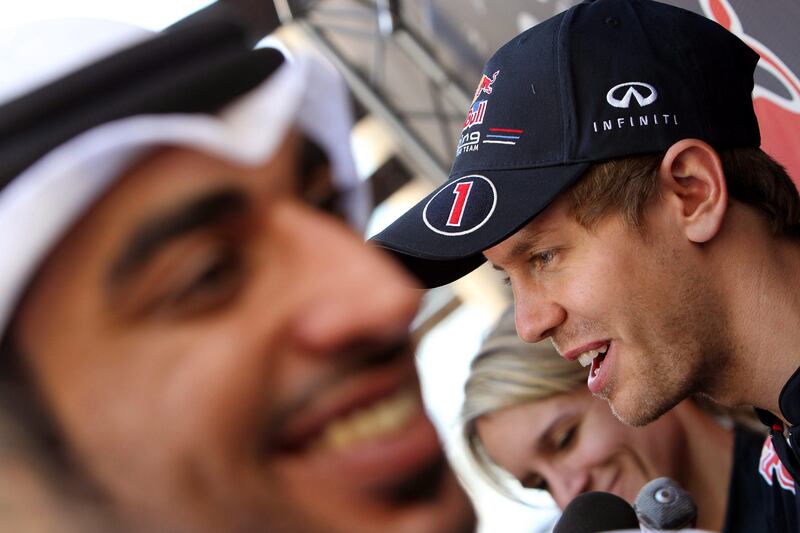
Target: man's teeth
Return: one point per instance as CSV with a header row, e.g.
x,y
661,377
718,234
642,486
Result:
x,y
585,359
384,417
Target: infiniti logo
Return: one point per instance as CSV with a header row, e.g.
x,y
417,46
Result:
x,y
634,90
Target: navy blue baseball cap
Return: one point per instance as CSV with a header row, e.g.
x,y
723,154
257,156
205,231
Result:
x,y
603,80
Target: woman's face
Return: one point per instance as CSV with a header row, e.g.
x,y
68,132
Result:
x,y
571,443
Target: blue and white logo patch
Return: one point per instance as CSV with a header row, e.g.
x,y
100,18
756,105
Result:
x,y
461,207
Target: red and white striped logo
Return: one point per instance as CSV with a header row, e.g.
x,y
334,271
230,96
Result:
x,y
770,464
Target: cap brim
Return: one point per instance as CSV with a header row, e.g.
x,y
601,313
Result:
x,y
438,256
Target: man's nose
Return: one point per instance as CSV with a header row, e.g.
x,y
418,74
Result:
x,y
353,292
536,316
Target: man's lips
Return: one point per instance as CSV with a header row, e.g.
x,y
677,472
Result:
x,y
600,372
372,420
371,443
574,353
364,425
367,406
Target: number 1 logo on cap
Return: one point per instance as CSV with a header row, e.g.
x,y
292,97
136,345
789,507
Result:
x,y
461,206
462,195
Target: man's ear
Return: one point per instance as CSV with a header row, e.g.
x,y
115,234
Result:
x,y
691,175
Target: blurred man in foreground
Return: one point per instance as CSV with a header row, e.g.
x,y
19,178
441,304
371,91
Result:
x,y
193,337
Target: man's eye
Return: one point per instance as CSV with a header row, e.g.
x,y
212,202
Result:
x,y
214,282
542,259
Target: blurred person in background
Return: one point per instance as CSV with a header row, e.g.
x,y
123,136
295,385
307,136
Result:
x,y
527,411
194,336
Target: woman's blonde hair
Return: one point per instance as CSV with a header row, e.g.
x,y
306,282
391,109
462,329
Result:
x,y
507,372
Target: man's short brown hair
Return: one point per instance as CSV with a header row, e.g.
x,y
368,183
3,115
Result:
x,y
625,186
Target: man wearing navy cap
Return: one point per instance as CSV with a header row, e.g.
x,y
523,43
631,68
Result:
x,y
610,167
194,338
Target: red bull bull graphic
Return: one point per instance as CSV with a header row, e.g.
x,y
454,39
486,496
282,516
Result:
x,y
485,85
778,116
478,108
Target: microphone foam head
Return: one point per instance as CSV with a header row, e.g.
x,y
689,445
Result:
x,y
592,512
663,504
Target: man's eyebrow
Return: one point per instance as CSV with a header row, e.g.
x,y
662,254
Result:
x,y
155,232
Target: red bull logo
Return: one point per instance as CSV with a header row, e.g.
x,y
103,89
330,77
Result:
x,y
778,116
485,85
475,115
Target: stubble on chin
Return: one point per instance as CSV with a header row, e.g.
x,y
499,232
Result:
x,y
646,411
663,381
690,362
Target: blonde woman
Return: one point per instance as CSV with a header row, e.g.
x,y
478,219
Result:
x,y
528,412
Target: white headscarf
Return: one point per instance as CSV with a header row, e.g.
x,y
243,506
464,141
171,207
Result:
x,y
40,204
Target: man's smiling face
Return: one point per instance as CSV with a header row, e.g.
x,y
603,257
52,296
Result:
x,y
222,353
631,300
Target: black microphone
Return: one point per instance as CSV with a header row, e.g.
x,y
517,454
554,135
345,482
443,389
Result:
x,y
592,512
662,505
